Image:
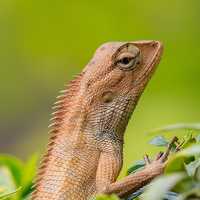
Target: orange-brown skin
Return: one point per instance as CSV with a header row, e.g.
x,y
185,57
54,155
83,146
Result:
x,y
84,156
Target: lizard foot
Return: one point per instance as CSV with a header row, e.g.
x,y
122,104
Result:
x,y
161,158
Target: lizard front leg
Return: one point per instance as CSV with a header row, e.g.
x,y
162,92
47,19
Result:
x,y
107,174
109,167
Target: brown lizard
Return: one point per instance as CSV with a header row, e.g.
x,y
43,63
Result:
x,y
84,156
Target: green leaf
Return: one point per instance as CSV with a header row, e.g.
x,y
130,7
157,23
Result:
x,y
7,184
29,172
161,185
197,138
176,162
189,140
106,197
9,194
192,167
184,185
194,193
190,151
197,174
14,165
159,141
136,194
136,166
174,127
13,173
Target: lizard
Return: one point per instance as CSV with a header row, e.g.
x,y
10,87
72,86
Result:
x,y
85,153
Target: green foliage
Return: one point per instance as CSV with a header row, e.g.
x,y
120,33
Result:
x,y
181,176
107,197
182,173
16,177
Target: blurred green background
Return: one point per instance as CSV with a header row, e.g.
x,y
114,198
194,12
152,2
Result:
x,y
43,43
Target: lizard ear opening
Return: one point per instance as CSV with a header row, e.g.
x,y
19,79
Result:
x,y
107,97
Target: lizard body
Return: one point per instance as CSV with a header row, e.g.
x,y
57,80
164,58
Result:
x,y
85,152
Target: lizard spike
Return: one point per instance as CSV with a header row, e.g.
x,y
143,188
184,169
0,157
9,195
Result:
x,y
70,91
57,107
63,91
57,118
53,125
59,102
53,133
34,194
51,143
41,171
62,96
45,159
73,81
38,179
62,103
42,166
60,108
59,112
33,187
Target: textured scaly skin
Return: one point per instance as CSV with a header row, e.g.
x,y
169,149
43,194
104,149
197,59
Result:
x,y
84,155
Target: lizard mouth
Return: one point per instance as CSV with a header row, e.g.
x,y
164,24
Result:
x,y
151,55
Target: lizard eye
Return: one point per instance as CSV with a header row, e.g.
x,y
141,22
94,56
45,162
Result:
x,y
129,59
127,63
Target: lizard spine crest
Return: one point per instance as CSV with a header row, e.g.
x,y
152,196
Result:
x,y
62,106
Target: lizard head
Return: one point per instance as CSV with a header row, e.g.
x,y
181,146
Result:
x,y
114,80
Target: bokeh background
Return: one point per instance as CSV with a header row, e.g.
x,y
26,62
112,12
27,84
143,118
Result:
x,y
43,43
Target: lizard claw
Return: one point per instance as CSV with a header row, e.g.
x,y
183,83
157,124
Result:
x,y
147,160
161,157
165,155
